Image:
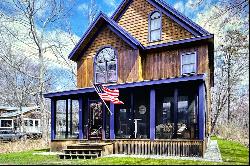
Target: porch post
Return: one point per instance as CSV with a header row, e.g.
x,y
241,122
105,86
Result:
x,y
152,114
175,112
103,122
80,117
71,119
112,121
53,119
132,116
67,118
202,102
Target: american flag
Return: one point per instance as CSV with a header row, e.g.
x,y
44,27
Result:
x,y
107,94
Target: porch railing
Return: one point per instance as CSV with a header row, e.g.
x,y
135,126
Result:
x,y
183,148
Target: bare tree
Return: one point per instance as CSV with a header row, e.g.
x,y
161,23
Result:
x,y
228,20
38,18
231,68
91,11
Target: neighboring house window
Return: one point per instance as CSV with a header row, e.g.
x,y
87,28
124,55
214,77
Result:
x,y
106,66
155,26
36,123
188,63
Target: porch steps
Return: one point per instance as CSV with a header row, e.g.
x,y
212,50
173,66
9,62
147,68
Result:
x,y
83,151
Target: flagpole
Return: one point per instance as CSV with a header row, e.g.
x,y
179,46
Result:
x,y
103,101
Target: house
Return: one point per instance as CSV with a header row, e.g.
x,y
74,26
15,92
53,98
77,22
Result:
x,y
162,64
11,119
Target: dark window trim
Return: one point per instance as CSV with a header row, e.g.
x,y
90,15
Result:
x,y
149,26
195,63
116,61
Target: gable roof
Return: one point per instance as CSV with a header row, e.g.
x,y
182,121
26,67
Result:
x,y
103,20
17,111
172,13
100,21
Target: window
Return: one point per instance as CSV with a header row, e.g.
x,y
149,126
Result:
x,y
155,26
30,122
6,123
36,123
105,66
188,64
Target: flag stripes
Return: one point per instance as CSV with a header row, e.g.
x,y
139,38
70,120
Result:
x,y
116,101
107,94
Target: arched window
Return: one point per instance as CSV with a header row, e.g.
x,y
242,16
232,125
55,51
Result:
x,y
105,68
155,26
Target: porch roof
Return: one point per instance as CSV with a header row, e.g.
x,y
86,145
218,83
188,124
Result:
x,y
128,85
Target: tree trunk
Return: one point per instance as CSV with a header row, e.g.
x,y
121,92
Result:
x,y
41,98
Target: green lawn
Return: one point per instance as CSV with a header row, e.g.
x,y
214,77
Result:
x,y
232,153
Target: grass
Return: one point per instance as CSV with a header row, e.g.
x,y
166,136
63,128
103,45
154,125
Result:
x,y
232,152
19,146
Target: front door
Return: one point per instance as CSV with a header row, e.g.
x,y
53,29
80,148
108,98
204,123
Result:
x,y
95,120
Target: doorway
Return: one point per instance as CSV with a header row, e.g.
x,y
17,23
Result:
x,y
95,120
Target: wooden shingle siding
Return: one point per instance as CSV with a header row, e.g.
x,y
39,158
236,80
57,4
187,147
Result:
x,y
128,60
167,64
135,21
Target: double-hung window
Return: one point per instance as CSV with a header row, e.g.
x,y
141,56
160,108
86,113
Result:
x,y
155,26
188,63
106,66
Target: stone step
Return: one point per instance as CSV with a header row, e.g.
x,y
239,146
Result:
x,y
94,143
78,156
81,151
84,147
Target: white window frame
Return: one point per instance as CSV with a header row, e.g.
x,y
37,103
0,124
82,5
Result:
x,y
12,124
149,26
107,81
195,63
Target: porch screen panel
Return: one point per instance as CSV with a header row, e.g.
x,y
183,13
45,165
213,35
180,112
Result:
x,y
60,119
141,113
165,118
107,124
187,115
75,120
122,117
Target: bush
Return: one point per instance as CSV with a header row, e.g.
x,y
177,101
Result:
x,y
233,132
